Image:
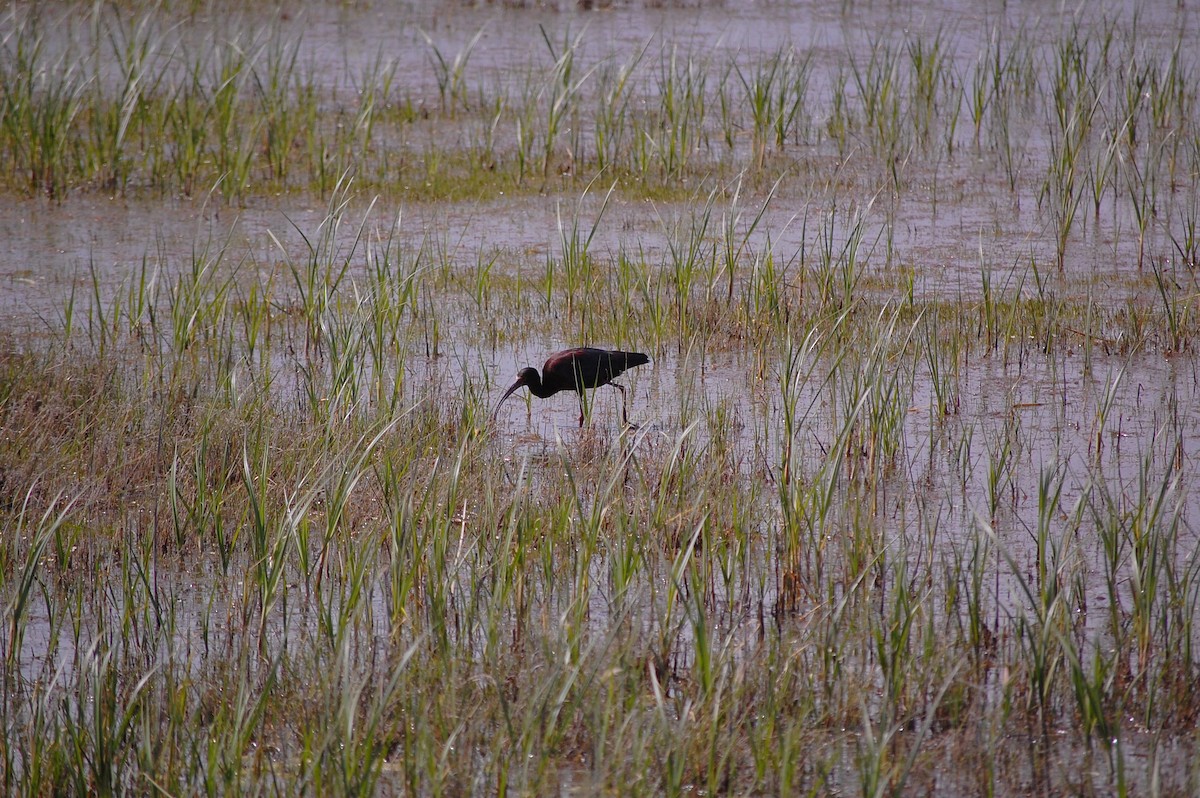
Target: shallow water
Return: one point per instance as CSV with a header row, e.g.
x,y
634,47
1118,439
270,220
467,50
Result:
x,y
955,217
944,224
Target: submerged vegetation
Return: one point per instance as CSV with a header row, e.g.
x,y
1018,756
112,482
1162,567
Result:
x,y
878,532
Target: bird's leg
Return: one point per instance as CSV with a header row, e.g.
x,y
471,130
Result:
x,y
624,402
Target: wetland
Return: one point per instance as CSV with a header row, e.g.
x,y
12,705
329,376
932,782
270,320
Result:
x,y
905,507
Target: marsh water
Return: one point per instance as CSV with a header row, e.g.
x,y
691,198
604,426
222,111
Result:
x,y
1037,249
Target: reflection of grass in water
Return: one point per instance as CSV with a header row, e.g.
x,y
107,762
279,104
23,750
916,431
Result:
x,y
258,535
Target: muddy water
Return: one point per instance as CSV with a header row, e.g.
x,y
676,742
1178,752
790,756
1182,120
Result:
x,y
950,221
954,218
49,251
954,221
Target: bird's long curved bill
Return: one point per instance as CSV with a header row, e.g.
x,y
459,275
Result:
x,y
507,394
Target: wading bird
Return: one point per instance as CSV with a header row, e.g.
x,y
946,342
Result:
x,y
577,370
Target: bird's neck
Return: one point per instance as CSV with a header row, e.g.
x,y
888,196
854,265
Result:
x,y
538,388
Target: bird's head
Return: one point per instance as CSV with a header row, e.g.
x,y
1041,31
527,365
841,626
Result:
x,y
526,376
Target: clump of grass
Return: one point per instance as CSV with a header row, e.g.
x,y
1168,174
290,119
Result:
x,y
776,90
451,73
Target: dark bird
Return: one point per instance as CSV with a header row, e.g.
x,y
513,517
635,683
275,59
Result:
x,y
577,370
